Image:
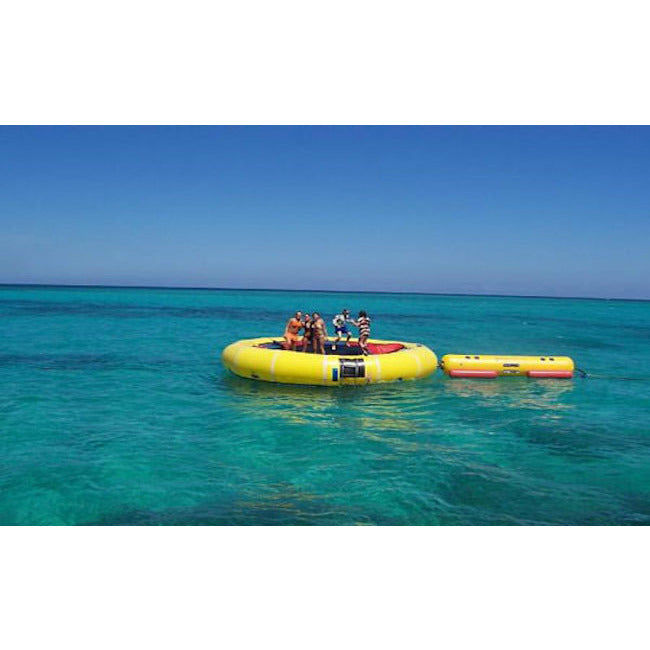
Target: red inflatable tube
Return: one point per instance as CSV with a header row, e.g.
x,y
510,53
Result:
x,y
479,374
550,374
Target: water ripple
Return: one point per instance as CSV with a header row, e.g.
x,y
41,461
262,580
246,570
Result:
x,y
115,410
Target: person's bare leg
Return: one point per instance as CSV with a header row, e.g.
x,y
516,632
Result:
x,y
363,342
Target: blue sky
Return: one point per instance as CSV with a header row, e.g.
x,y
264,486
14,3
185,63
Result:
x,y
558,211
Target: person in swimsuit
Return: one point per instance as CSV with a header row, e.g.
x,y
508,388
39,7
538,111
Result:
x,y
306,337
340,322
319,333
363,323
291,331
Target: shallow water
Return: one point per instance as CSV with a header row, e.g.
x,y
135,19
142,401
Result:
x,y
115,409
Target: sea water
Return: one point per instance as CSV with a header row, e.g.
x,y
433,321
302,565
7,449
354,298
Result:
x,y
115,409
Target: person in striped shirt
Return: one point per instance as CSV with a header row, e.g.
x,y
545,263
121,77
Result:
x,y
363,323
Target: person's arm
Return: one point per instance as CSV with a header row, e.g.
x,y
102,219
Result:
x,y
286,328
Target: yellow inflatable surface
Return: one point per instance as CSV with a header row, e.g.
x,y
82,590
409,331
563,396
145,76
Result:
x,y
265,360
495,365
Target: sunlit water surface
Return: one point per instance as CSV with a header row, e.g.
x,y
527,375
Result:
x,y
115,409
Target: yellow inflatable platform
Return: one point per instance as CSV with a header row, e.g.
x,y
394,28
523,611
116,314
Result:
x,y
494,365
266,360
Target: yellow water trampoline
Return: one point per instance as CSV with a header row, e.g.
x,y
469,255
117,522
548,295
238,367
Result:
x,y
265,359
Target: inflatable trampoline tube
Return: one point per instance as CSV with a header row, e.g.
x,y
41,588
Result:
x,y
488,366
265,359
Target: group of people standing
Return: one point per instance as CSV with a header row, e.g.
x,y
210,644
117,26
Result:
x,y
315,331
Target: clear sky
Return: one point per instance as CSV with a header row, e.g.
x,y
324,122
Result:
x,y
558,211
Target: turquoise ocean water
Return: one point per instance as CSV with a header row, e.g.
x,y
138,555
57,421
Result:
x,y
115,409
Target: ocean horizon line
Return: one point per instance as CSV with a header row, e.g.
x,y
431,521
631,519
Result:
x,y
372,292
